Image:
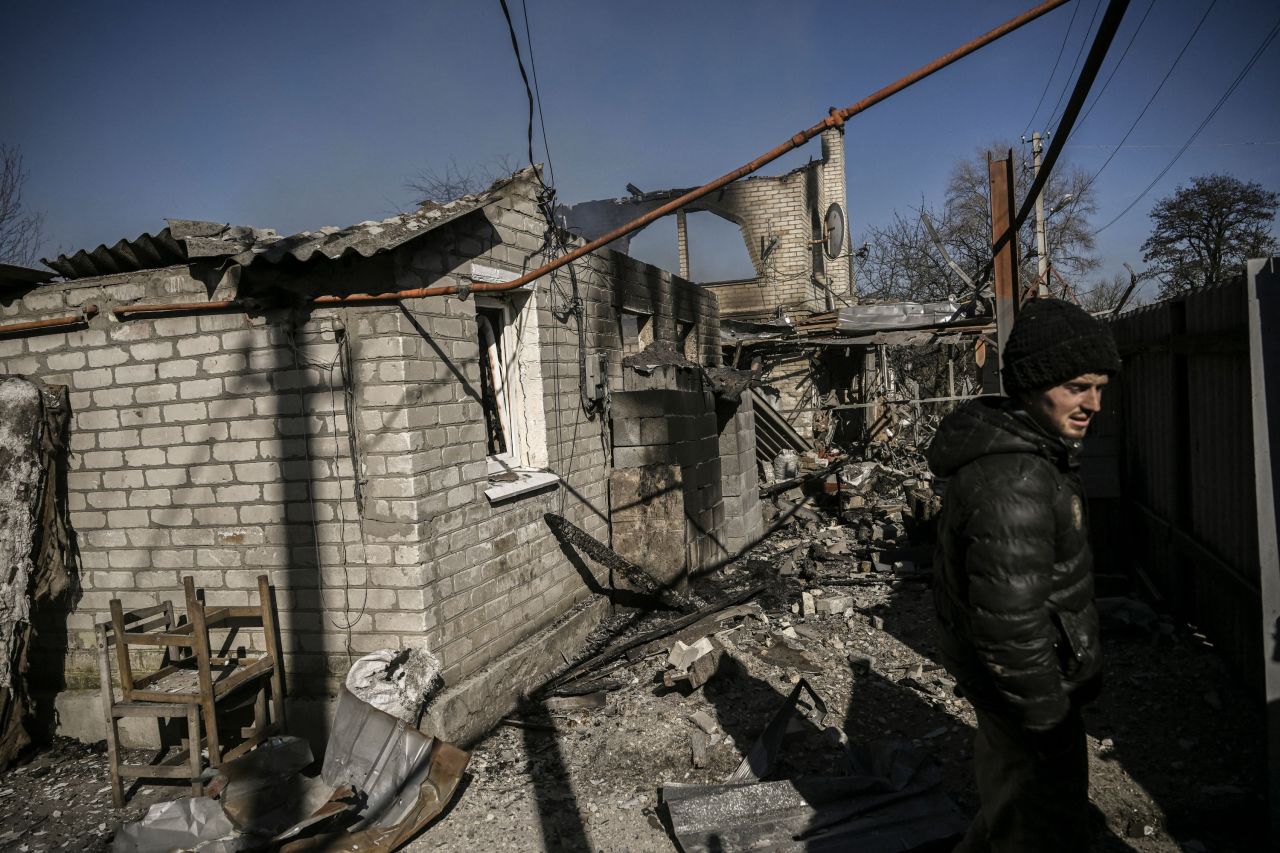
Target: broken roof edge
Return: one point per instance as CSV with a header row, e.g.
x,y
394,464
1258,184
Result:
x,y
185,240
16,275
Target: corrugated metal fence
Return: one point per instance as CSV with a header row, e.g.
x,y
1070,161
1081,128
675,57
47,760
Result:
x,y
1187,502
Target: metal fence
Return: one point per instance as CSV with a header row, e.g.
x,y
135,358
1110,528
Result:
x,y
1185,453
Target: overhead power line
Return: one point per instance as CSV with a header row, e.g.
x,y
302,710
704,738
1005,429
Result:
x,y
515,46
1119,62
1075,8
1152,99
1257,54
1088,74
1074,65
537,93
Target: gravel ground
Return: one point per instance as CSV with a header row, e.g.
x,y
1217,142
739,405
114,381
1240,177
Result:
x,y
1174,743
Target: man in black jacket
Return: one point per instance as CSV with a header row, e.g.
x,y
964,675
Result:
x,y
1014,579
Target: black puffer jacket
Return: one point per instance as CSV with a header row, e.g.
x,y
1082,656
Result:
x,y
1013,573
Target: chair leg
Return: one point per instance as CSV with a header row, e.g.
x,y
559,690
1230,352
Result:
x,y
193,749
113,760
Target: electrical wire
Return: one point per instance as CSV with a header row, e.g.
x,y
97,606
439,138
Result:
x,y
1155,145
524,75
1075,9
1119,62
342,361
1055,117
537,93
1154,94
1257,54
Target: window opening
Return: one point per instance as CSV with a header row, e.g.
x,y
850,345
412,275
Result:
x,y
637,331
688,335
491,322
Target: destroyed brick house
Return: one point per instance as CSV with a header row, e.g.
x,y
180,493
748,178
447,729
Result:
x,y
788,224
234,412
799,322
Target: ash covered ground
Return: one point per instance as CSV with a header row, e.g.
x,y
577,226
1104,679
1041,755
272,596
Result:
x,y
1174,742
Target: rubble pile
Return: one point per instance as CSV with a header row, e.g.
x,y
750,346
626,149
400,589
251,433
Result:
x,y
795,700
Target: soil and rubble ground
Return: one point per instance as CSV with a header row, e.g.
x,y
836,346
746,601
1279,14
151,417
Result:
x,y
1174,742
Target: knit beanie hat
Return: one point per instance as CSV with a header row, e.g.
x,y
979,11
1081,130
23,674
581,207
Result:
x,y
1053,341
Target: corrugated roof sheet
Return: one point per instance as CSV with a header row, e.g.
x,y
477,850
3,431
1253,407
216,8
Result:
x,y
12,275
186,239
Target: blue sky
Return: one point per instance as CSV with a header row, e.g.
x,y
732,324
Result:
x,y
293,115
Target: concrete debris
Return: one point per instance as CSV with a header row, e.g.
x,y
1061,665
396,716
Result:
x,y
698,748
598,699
682,656
715,663
397,682
585,773
834,605
703,720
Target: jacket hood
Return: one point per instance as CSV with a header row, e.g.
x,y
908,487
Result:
x,y
988,426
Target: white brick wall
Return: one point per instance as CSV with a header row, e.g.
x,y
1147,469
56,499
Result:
x,y
200,447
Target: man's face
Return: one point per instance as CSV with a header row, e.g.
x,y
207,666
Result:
x,y
1067,409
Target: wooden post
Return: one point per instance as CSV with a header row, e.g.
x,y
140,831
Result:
x,y
200,633
1004,250
122,649
1264,374
271,638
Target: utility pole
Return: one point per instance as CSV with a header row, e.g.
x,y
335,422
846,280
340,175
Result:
x,y
1042,239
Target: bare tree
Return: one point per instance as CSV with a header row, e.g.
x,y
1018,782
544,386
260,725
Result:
x,y
1105,294
21,231
1204,233
905,262
440,186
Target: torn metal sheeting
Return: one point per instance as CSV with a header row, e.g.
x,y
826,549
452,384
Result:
x,y
444,773
870,317
812,814
263,789
179,825
763,754
377,754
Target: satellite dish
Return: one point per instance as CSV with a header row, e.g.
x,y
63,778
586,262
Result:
x,y
834,228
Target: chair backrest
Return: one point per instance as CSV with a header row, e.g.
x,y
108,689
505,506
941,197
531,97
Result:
x,y
156,626
144,626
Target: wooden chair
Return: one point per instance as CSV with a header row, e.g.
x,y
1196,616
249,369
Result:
x,y
192,681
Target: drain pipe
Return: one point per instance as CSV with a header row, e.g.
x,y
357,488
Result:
x,y
836,118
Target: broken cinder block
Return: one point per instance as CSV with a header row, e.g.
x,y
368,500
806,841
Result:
x,y
682,655
834,604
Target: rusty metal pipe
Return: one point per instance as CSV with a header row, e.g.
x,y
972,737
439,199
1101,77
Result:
x,y
124,312
51,324
835,119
